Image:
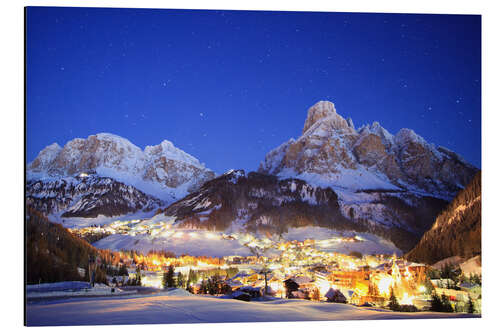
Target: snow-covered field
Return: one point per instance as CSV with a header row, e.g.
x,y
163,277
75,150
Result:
x,y
193,242
72,289
326,240
201,242
177,307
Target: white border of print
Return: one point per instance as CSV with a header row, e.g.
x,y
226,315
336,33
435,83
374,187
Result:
x,y
12,66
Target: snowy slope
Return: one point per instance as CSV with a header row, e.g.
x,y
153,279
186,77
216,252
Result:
x,y
260,203
88,197
168,308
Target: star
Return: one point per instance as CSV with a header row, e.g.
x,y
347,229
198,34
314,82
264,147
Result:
x,y
62,68
201,114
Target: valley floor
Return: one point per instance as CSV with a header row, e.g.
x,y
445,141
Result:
x,y
178,307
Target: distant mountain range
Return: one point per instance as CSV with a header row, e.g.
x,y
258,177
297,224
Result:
x,y
108,175
332,176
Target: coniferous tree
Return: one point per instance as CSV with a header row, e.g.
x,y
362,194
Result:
x,y
168,278
393,302
436,303
446,304
470,306
180,280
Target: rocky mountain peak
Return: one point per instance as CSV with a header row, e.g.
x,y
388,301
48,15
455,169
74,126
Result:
x,y
331,152
169,151
159,170
45,157
406,135
320,111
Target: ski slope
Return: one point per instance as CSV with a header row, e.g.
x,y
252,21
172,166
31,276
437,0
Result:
x,y
173,307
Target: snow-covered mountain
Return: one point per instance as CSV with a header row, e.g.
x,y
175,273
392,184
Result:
x,y
266,204
331,152
334,176
162,170
88,197
135,178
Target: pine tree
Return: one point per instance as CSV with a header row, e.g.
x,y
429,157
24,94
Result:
x,y
180,280
393,302
168,278
446,304
470,306
436,304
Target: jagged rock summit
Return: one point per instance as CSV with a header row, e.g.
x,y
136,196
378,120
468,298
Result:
x,y
331,152
162,170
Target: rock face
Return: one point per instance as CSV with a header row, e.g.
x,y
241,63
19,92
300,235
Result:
x,y
260,203
397,184
87,197
162,170
331,152
456,231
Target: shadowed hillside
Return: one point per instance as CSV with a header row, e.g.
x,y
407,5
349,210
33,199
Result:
x,y
457,229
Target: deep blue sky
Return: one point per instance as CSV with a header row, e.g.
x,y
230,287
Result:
x,y
228,86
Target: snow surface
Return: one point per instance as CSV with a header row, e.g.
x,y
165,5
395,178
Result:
x,y
468,267
327,240
178,241
168,150
83,222
353,179
71,289
165,235
167,308
472,266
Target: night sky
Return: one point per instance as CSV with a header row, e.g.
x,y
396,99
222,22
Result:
x,y
228,86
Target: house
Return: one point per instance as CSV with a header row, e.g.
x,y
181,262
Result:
x,y
290,286
254,292
442,283
239,295
335,296
304,282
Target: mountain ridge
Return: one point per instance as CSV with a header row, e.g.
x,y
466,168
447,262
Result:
x,y
163,170
332,152
456,230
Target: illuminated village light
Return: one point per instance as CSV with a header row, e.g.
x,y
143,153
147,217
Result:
x,y
384,285
406,299
369,277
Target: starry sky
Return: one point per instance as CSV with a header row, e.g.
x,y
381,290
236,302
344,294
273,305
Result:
x,y
228,86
